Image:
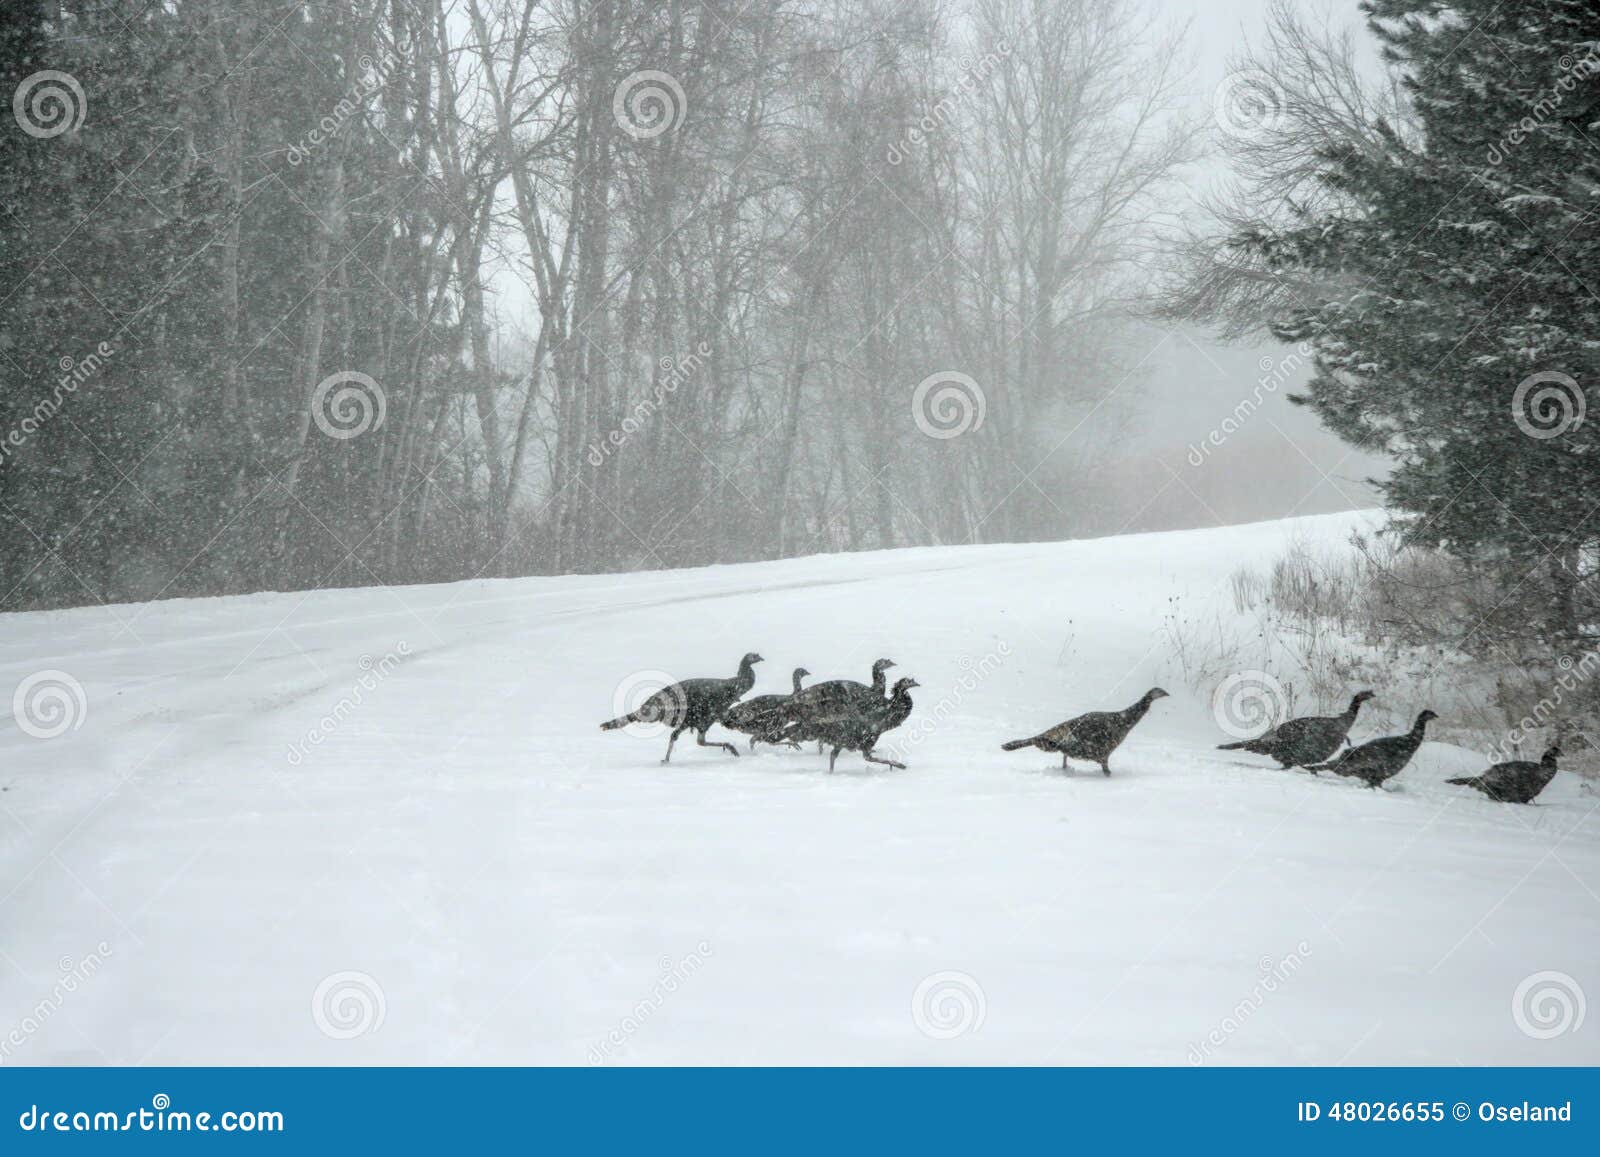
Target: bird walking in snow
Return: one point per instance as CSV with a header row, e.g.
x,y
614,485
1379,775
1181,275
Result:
x,y
1381,759
833,692
693,705
764,718
833,695
856,724
1515,781
1301,742
1093,736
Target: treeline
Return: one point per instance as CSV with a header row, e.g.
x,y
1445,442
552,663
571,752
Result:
x,y
347,292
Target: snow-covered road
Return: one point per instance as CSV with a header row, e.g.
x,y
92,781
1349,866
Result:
x,y
381,825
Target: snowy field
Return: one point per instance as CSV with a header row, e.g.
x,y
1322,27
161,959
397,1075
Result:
x,y
465,869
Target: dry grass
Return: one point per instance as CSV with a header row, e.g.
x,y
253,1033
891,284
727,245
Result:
x,y
1413,624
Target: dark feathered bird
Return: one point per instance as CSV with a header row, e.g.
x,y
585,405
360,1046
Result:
x,y
1300,742
1381,759
1516,781
820,697
856,724
1093,736
824,698
693,705
764,717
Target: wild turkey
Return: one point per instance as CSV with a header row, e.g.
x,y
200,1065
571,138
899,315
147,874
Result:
x,y
825,698
1299,742
693,705
1381,759
1516,781
820,697
1093,736
764,718
857,724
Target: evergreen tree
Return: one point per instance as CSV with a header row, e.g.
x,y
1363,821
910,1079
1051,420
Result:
x,y
1447,279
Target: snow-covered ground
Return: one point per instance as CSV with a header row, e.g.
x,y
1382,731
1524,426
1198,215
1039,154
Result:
x,y
465,869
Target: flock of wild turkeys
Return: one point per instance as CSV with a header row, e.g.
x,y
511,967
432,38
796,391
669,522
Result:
x,y
850,716
842,714
1313,742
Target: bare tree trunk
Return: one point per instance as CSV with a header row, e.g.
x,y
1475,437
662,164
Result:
x,y
589,383
331,228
